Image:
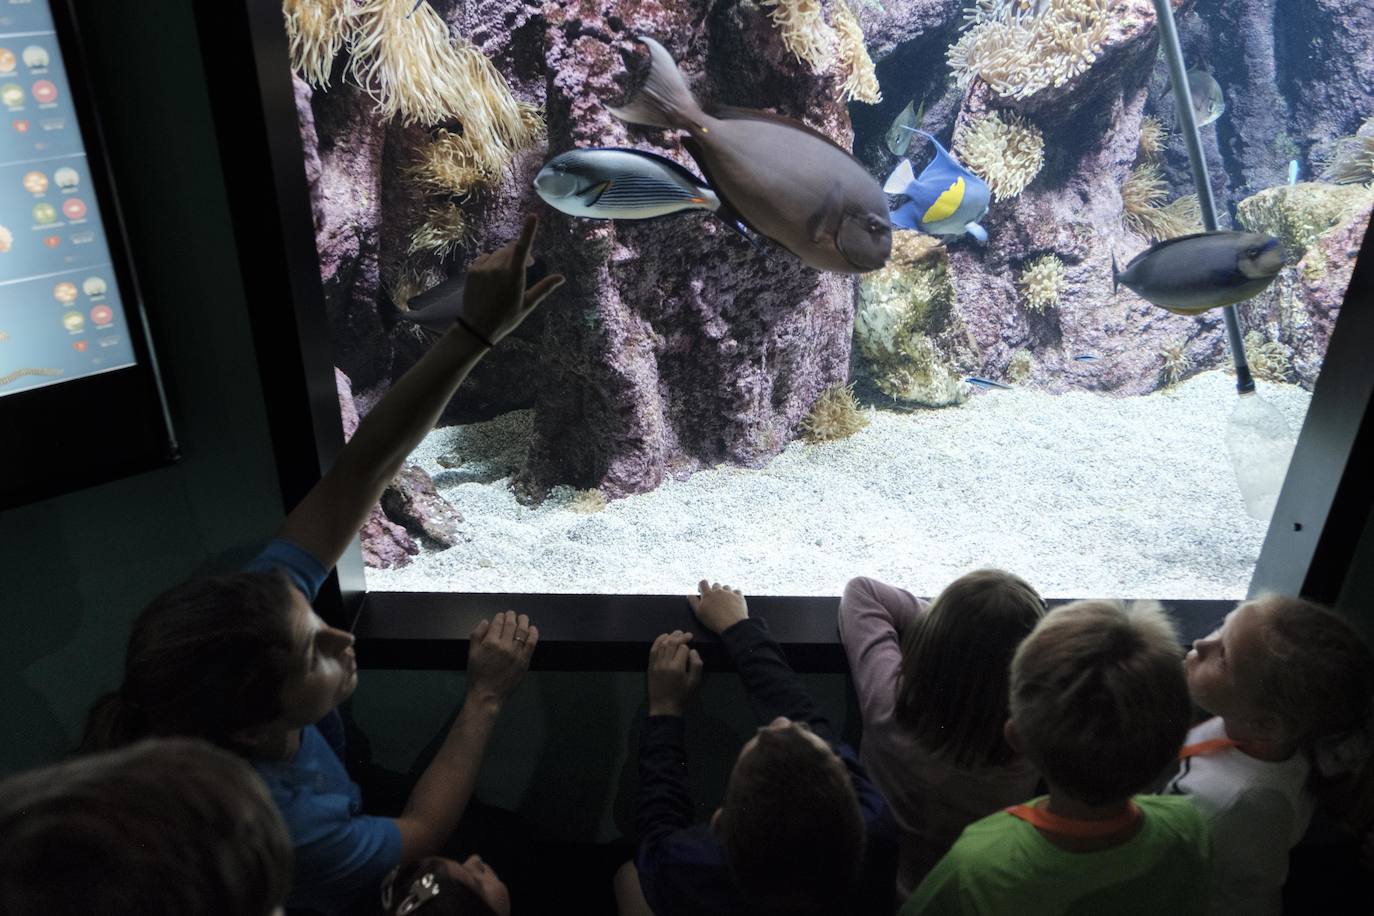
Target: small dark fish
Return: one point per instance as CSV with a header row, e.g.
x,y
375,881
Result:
x,y
414,8
985,382
947,199
782,178
437,308
613,183
1086,358
1193,273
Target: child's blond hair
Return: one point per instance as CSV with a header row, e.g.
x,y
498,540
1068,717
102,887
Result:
x,y
1317,677
1099,698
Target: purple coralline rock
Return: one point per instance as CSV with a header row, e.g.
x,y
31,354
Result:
x,y
412,501
385,544
1300,309
674,345
1072,210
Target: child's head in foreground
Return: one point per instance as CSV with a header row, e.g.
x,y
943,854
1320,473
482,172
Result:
x,y
223,658
790,823
955,663
165,827
1098,699
1292,674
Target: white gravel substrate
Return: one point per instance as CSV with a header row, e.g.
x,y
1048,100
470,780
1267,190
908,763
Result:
x,y
1084,494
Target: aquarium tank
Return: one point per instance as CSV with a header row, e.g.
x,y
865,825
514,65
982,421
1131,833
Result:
x,y
897,288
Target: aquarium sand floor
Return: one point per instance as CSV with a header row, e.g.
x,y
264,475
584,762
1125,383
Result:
x,y
1083,494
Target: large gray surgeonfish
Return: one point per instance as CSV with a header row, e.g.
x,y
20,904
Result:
x,y
784,180
1193,273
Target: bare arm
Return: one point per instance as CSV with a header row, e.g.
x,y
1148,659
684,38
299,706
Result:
x,y
498,659
495,302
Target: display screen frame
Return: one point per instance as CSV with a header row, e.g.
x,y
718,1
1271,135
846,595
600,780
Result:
x,y
1320,515
91,429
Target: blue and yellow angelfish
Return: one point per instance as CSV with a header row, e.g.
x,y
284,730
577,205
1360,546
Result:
x,y
947,199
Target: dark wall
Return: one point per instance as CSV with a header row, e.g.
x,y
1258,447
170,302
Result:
x,y
76,569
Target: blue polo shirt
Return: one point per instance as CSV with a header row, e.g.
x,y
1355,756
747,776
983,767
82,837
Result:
x,y
340,853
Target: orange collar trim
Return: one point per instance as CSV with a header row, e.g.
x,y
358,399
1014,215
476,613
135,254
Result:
x,y
1075,827
1210,746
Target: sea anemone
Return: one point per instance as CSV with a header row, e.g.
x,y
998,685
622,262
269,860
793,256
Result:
x,y
804,31
1041,283
1020,365
315,30
1019,48
861,80
410,65
1006,153
1144,213
587,502
1176,361
1352,162
835,415
1153,136
444,229
448,165
1268,359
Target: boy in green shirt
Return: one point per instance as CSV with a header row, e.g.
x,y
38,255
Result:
x,y
1100,706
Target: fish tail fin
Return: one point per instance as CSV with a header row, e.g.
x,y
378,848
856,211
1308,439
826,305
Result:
x,y
1116,275
664,100
900,179
979,234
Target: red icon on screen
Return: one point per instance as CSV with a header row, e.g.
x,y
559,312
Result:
x,y
74,208
21,125
102,314
80,346
45,92
52,241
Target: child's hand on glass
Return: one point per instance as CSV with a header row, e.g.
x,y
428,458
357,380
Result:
x,y
674,673
718,607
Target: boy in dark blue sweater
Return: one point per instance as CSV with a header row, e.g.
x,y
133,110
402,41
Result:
x,y
800,830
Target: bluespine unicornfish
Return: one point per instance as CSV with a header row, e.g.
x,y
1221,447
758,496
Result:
x,y
781,178
1193,273
947,199
985,382
613,183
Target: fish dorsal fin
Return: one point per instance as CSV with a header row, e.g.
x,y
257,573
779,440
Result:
x,y
731,113
901,178
943,165
676,167
1160,246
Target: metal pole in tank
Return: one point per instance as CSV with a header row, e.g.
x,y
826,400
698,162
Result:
x,y
1183,102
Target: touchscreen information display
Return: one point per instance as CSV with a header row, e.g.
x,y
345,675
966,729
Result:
x,y
60,312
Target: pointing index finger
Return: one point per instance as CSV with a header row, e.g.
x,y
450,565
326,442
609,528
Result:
x,y
526,240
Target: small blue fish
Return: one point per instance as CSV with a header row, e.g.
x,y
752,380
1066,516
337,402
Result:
x,y
1086,358
1293,171
985,382
947,199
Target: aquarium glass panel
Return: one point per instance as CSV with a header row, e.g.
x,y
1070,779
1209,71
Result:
x,y
857,287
